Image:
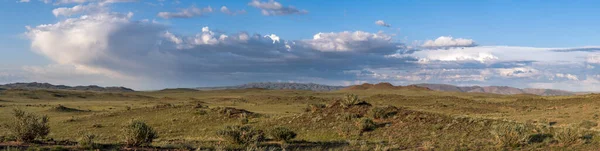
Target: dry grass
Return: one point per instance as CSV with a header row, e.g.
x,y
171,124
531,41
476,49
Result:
x,y
422,119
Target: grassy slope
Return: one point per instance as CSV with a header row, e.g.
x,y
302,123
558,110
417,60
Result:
x,y
430,117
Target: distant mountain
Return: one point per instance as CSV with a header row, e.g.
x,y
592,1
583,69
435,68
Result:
x,y
35,86
383,86
278,86
496,89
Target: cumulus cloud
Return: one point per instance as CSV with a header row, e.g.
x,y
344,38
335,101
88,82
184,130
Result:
x,y
447,41
116,48
358,41
382,23
274,8
226,10
186,13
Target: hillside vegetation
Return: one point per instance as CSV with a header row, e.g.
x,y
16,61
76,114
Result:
x,y
364,117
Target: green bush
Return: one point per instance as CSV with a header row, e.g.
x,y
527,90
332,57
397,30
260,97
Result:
x,y
510,134
244,135
367,124
282,134
26,127
86,141
383,112
138,133
350,100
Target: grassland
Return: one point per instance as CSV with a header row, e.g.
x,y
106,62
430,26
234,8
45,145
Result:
x,y
187,119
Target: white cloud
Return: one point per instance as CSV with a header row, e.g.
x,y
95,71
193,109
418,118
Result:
x,y
226,10
447,41
78,9
112,47
101,2
518,72
186,13
274,8
23,1
357,41
382,23
568,76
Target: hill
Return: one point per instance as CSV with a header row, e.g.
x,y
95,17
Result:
x,y
496,89
47,86
278,86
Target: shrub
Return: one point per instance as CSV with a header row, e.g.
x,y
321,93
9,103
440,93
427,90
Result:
x,y
244,135
86,141
366,124
282,134
138,133
587,124
350,100
314,107
27,127
568,136
244,120
510,134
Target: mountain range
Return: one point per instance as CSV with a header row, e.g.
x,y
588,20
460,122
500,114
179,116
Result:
x,y
278,86
36,86
496,90
317,87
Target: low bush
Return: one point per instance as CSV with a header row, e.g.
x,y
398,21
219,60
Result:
x,y
510,134
138,133
282,134
383,112
588,124
350,100
26,127
366,124
86,141
243,135
568,136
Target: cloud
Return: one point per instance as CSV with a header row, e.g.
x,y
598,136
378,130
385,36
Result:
x,y
101,2
358,41
23,1
568,76
112,47
78,9
186,13
447,41
274,8
226,10
382,23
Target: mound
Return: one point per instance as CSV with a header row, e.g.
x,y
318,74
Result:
x,y
61,108
383,86
233,112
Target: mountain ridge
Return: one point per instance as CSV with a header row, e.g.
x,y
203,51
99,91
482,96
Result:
x,y
506,90
48,86
278,86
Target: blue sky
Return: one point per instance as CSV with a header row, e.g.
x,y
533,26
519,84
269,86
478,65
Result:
x,y
150,44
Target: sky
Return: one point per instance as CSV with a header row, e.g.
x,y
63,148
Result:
x,y
154,44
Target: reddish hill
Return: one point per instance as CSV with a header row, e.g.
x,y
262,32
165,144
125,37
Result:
x,y
383,86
